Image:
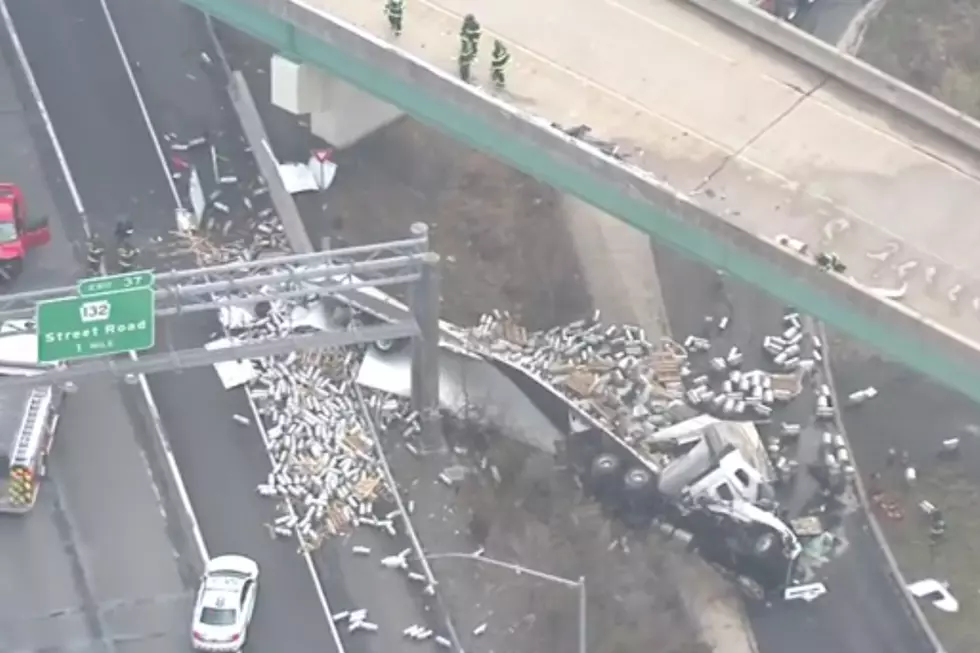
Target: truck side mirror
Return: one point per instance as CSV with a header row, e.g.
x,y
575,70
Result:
x,y
38,223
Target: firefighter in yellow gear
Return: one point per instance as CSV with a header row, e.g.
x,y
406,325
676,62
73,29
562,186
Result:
x,y
126,257
498,63
94,255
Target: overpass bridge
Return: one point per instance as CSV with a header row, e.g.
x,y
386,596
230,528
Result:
x,y
731,142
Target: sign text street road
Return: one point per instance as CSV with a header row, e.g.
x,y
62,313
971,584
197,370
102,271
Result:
x,y
129,281
100,325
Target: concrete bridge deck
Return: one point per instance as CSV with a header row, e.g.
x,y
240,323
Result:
x,y
768,143
763,140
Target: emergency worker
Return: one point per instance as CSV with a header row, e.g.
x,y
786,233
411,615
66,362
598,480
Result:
x,y
94,255
470,33
394,12
126,255
498,62
467,54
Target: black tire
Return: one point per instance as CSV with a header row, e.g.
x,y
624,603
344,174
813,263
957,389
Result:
x,y
637,479
605,466
391,346
261,309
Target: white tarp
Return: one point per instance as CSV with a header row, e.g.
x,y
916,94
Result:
x,y
297,178
323,171
234,373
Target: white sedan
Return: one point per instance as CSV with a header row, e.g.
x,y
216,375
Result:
x,y
225,603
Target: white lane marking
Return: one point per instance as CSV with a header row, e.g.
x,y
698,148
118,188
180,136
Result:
x,y
142,104
168,454
307,558
79,206
151,403
158,421
76,198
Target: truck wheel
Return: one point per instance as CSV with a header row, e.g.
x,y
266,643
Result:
x,y
604,466
637,480
391,346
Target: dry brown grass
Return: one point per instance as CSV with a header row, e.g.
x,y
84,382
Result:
x,y
538,516
948,487
501,234
933,45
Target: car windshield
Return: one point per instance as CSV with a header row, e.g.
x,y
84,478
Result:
x,y
217,617
8,232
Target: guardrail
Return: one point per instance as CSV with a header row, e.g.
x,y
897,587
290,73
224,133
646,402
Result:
x,y
848,70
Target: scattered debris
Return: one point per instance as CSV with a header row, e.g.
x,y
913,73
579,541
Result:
x,y
936,592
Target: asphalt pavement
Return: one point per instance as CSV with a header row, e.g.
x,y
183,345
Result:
x,y
102,562
105,134
863,611
193,405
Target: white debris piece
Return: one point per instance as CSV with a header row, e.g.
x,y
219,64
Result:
x,y
861,396
418,633
399,561
234,373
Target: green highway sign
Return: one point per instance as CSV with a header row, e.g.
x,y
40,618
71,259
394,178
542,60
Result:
x,y
129,281
100,325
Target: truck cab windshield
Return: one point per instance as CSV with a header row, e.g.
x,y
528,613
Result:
x,y
8,233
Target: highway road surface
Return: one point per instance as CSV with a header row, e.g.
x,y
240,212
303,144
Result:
x,y
289,608
863,613
103,561
109,135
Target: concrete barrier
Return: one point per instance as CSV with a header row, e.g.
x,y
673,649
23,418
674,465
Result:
x,y
847,70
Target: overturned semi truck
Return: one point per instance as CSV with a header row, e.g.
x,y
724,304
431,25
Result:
x,y
712,488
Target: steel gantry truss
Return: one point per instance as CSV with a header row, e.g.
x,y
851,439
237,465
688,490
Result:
x,y
343,271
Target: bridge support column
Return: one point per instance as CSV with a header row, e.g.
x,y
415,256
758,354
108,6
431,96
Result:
x,y
340,114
